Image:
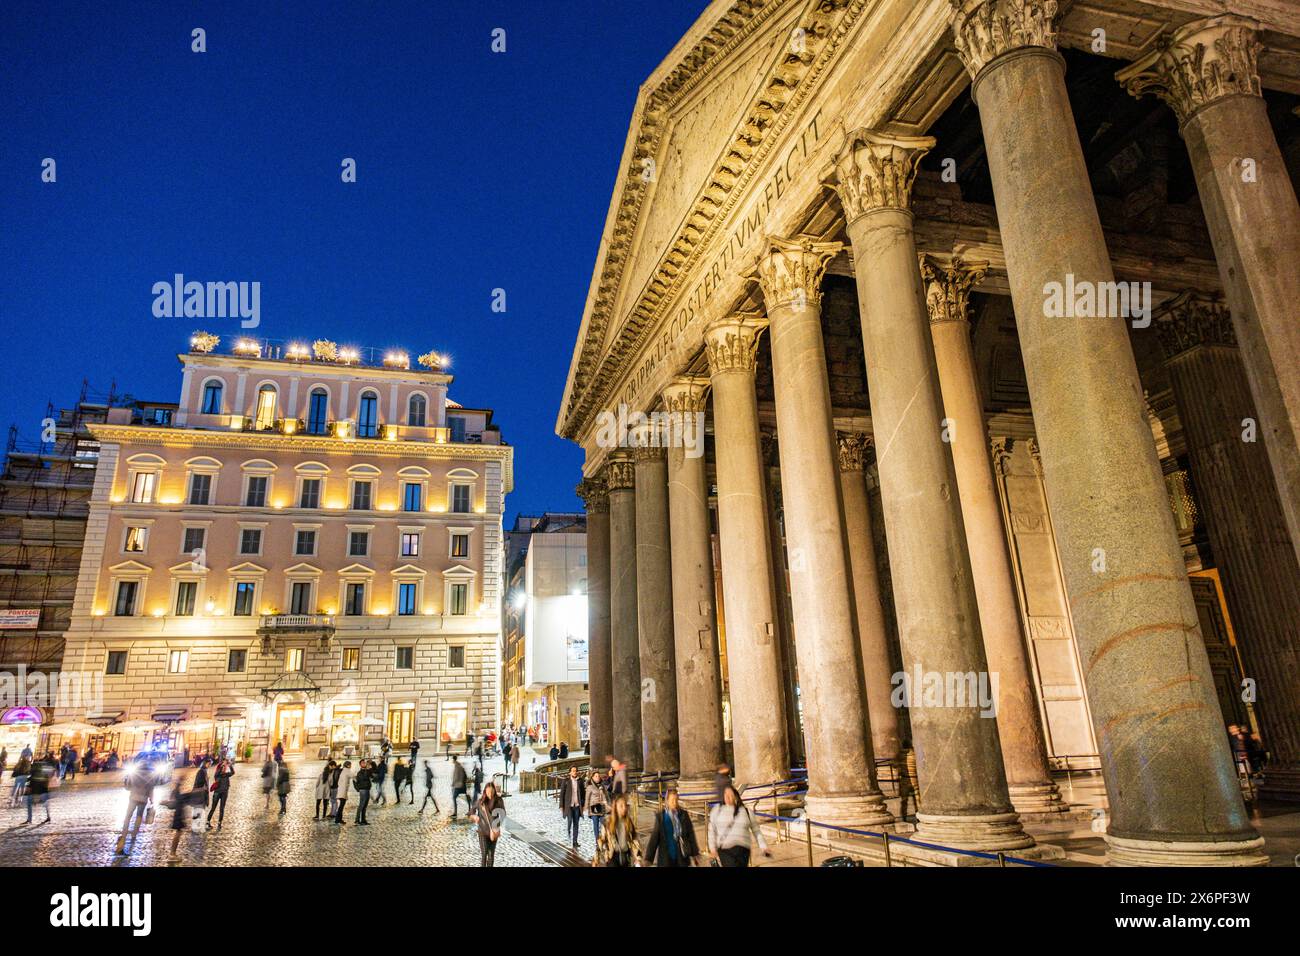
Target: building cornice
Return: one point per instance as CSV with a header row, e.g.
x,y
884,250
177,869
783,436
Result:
x,y
309,369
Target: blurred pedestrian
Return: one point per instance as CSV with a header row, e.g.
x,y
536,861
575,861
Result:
x,y
44,777
459,788
268,781
220,791
617,844
362,784
324,805
489,814
573,796
672,839
596,803
342,786
733,832
428,789
282,784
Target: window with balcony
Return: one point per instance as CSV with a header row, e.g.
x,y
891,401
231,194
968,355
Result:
x,y
124,604
178,662
368,416
410,544
136,539
143,487
407,594
293,658
460,499
362,495
458,599
354,602
318,409
187,593
266,407
358,544
255,496
412,496
300,601
211,399
200,489
115,665
417,411
250,541
237,661
460,546
305,542
310,494
245,596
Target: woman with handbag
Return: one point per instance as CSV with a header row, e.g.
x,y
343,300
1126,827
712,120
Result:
x,y
672,841
323,791
733,832
489,813
617,844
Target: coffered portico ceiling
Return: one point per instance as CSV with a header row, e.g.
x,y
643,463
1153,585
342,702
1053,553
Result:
x,y
753,98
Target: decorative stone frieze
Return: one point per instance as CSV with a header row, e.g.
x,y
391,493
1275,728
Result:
x,y
1199,63
986,29
948,282
876,171
790,271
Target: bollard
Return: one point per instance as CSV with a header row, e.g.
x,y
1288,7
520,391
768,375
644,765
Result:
x,y
1002,859
888,860
809,825
776,815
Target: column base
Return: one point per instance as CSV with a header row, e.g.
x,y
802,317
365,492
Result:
x,y
695,791
849,810
1124,851
988,832
1037,798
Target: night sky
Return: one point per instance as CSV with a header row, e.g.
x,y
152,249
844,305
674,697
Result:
x,y
475,171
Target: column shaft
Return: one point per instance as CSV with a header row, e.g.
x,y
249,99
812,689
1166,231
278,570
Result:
x,y
600,678
624,643
654,590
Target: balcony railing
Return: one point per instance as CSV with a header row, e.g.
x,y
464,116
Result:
x,y
296,622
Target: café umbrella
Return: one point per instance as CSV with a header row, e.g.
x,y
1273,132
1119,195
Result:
x,y
71,727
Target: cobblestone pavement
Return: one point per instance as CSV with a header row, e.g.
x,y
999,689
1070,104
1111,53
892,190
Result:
x,y
87,817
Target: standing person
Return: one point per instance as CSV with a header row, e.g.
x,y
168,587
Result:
x,y
268,780
596,804
415,753
459,788
428,789
378,771
721,781
476,774
573,797
733,832
904,778
279,751
221,790
469,743
324,806
282,785
514,756
489,811
672,840
400,779
4,758
554,753
362,784
44,776
478,752
564,750
22,770
342,787
617,844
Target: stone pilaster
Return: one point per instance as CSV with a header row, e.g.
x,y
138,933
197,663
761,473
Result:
x,y
1248,536
873,634
758,730
842,785
1173,794
948,282
695,633
625,650
963,788
1206,72
595,496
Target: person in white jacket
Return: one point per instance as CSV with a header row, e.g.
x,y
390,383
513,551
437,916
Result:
x,y
342,789
733,831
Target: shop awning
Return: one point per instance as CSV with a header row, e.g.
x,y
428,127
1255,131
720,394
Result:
x,y
104,718
229,713
170,715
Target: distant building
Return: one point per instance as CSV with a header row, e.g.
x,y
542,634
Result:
x,y
306,550
545,627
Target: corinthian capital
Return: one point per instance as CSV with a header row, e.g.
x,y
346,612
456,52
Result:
x,y
855,450
594,494
1192,319
731,344
620,474
790,271
687,395
875,171
1199,63
948,283
986,29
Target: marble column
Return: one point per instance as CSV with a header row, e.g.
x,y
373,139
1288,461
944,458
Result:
x,y
1239,500
842,787
781,598
873,634
1173,794
625,650
1206,71
654,601
761,749
695,631
1020,728
599,668
962,784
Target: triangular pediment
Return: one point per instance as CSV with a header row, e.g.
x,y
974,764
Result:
x,y
356,569
303,569
130,567
248,567
459,571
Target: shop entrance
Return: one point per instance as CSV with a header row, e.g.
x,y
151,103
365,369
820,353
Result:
x,y
289,722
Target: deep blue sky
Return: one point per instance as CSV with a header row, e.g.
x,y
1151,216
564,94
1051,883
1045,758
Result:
x,y
475,171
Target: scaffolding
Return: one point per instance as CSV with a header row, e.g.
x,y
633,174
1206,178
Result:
x,y
45,488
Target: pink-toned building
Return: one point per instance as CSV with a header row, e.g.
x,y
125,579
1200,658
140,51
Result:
x,y
310,553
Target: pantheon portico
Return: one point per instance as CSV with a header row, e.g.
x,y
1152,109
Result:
x,y
973,326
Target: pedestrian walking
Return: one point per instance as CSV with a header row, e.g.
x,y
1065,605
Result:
x,y
141,784
902,773
362,784
477,776
672,839
489,813
279,751
514,756
22,770
324,805
459,788
596,803
428,789
617,777
618,844
341,788
733,832
573,797
220,787
378,771
721,781
43,778
268,780
187,804
282,785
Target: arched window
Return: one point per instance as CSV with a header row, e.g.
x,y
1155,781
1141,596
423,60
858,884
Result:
x,y
318,412
211,399
415,416
368,416
265,417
